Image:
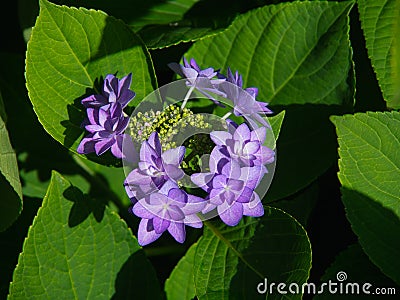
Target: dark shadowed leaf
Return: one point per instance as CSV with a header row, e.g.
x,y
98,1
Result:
x,y
369,173
10,185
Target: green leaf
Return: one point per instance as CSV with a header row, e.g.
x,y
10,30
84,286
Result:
x,y
139,13
396,56
359,270
2,110
68,52
369,173
232,261
180,284
10,185
79,249
294,52
162,36
378,20
276,124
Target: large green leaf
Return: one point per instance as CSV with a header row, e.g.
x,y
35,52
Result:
x,y
378,20
294,52
180,284
79,249
10,185
370,172
396,56
68,52
139,13
356,266
161,36
233,261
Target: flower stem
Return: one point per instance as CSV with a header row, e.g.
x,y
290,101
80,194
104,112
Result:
x,y
187,97
226,115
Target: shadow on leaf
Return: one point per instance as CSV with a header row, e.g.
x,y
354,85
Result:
x,y
130,285
83,206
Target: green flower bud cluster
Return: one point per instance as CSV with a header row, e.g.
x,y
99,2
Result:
x,y
167,123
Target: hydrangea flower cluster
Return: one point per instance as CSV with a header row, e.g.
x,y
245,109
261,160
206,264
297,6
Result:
x,y
106,122
236,165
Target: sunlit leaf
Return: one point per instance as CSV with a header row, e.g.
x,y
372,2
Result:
x,y
70,50
370,172
78,249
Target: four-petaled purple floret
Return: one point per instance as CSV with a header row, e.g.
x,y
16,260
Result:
x,y
114,91
168,209
106,126
205,81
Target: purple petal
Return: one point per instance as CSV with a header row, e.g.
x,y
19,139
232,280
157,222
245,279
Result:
x,y
235,184
245,195
176,68
242,133
154,142
147,153
140,211
231,170
116,148
93,115
173,172
252,175
259,134
177,195
253,208
220,137
174,156
219,181
174,213
160,224
103,115
229,197
177,230
266,155
194,205
230,215
167,186
86,146
217,160
202,180
103,145
138,178
251,148
157,200
130,155
94,128
146,236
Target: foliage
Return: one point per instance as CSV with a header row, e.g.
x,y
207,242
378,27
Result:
x,y
67,227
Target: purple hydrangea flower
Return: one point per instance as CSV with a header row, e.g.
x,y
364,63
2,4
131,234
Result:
x,y
154,168
114,91
243,145
169,209
231,189
205,81
244,100
106,126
